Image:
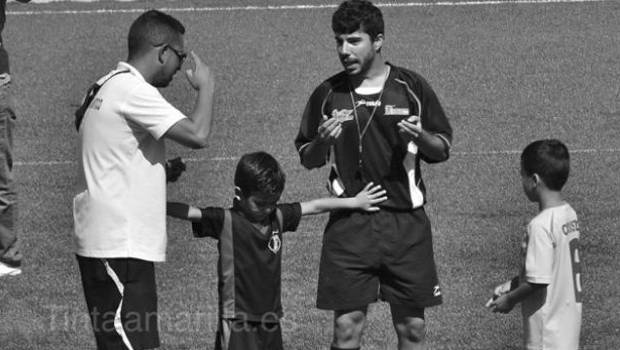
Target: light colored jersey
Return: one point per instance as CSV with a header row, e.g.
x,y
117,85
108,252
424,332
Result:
x,y
552,316
120,211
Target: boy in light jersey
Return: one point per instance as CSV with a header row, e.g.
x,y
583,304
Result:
x,y
249,243
549,285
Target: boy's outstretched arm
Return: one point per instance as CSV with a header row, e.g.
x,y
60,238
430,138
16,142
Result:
x,y
366,200
183,211
507,302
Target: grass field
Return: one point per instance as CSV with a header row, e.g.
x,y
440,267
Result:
x,y
506,74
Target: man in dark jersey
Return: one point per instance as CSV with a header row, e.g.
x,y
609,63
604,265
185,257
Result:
x,y
374,122
10,257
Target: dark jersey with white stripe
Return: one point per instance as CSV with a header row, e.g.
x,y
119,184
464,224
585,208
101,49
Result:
x,y
249,265
386,159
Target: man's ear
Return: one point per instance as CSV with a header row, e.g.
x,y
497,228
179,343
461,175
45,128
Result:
x,y
238,193
160,54
377,43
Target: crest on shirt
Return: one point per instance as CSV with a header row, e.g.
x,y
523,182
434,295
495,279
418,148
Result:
x,y
342,115
275,243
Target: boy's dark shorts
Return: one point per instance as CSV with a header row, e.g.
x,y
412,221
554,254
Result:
x,y
385,254
103,280
247,335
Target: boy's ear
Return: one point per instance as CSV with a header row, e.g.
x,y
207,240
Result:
x,y
537,179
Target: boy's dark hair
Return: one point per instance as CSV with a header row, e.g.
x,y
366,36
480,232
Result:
x,y
152,28
259,172
353,15
549,159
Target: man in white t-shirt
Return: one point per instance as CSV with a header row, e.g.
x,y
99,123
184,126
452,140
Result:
x,y
549,285
120,210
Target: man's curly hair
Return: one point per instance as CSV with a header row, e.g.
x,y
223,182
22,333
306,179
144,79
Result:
x,y
353,15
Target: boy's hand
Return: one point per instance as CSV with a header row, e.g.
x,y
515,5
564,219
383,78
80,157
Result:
x,y
174,168
369,196
502,304
199,76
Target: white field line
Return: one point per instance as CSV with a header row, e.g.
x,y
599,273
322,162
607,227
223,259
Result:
x,y
302,7
228,159
308,7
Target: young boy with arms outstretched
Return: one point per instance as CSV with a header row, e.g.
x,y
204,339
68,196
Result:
x,y
549,285
249,243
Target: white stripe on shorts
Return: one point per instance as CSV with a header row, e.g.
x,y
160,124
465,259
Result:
x,y
117,317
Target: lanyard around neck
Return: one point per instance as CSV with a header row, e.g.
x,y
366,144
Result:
x,y
362,131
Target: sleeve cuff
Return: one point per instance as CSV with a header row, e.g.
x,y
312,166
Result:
x,y
164,127
538,279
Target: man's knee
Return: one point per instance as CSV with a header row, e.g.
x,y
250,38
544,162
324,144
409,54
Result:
x,y
348,327
409,323
412,329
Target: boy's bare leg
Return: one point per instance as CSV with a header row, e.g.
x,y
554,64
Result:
x,y
348,328
410,327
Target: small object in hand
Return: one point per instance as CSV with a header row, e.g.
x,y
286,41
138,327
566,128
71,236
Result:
x,y
415,119
493,298
502,289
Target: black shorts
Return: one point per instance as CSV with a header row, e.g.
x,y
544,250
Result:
x,y
247,335
122,302
384,254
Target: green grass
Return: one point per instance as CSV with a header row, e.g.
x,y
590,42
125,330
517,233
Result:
x,y
506,75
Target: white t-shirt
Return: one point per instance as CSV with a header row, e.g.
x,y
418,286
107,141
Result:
x,y
120,210
552,316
